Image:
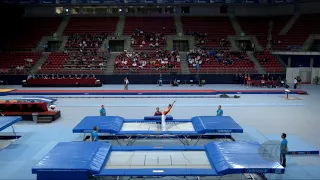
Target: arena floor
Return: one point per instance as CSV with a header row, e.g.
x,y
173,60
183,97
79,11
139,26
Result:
x,y
260,116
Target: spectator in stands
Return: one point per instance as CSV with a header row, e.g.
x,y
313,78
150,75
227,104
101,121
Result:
x,y
219,111
102,111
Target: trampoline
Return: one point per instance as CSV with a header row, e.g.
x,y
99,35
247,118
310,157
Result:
x,y
75,160
149,127
7,121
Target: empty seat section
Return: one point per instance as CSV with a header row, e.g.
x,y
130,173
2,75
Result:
x,y
150,25
53,62
31,31
210,32
269,62
259,27
299,32
83,25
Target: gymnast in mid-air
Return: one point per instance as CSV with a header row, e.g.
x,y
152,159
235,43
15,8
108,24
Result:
x,y
165,112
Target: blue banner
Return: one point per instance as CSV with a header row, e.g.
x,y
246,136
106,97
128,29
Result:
x,y
102,2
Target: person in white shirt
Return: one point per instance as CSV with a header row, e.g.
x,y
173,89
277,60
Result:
x,y
157,44
134,64
295,82
143,42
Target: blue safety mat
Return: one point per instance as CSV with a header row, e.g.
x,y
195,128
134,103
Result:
x,y
216,124
6,121
105,124
75,156
201,124
241,157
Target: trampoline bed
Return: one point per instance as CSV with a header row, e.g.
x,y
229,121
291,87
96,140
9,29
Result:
x,y
75,160
149,127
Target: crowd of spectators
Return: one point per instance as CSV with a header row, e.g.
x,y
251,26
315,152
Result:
x,y
89,60
160,59
85,41
198,58
152,40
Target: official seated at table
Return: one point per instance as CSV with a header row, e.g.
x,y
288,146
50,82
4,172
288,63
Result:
x,y
175,83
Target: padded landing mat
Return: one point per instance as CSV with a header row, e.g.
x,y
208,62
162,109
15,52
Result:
x,y
148,92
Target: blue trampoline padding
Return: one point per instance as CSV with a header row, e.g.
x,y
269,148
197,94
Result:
x,y
241,157
105,124
6,121
215,124
69,156
49,99
201,124
168,117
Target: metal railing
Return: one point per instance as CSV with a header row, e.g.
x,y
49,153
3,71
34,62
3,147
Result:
x,y
223,70
147,71
72,71
277,70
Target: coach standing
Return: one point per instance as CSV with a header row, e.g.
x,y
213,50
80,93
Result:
x,y
102,111
219,111
283,149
